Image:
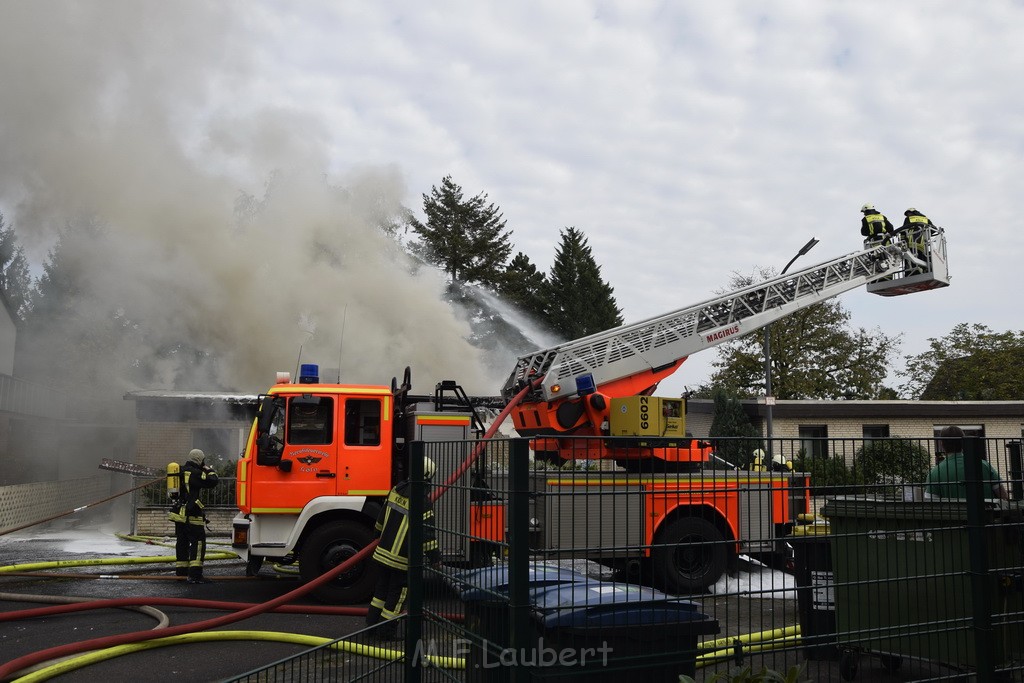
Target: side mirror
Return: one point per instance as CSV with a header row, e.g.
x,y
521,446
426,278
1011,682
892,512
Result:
x,y
269,446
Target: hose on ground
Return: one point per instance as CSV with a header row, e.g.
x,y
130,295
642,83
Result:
x,y
359,649
193,603
103,561
9,668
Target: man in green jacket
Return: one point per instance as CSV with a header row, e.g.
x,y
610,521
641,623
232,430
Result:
x,y
947,479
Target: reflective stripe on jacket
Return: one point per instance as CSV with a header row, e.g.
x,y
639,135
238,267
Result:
x,y
189,509
393,527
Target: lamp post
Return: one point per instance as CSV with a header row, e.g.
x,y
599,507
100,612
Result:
x,y
769,400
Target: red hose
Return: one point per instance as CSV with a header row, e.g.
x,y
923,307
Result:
x,y
441,490
10,668
52,610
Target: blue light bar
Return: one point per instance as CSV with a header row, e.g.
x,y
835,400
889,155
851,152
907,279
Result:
x,y
585,384
309,373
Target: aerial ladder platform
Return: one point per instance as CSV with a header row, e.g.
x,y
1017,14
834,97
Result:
x,y
630,360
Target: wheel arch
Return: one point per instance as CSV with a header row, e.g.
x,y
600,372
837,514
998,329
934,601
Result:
x,y
702,510
365,515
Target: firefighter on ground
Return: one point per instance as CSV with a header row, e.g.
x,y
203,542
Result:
x,y
913,232
189,517
392,554
874,226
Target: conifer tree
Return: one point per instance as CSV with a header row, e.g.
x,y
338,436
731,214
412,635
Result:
x,y
465,237
15,281
579,301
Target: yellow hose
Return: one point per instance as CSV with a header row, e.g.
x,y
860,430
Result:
x,y
87,659
104,561
724,648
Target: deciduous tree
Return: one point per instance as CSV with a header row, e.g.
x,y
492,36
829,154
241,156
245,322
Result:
x,y
816,354
971,363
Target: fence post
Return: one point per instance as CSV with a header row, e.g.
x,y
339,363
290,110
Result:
x,y
414,595
1016,470
981,593
135,506
520,640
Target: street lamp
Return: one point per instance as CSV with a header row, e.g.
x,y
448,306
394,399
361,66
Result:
x,y
769,400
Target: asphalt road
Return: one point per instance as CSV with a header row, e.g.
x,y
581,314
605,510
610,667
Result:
x,y
768,604
192,662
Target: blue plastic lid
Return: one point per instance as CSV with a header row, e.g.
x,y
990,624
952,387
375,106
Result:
x,y
485,583
611,604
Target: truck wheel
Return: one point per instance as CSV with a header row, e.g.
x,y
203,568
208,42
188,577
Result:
x,y
690,555
253,564
329,546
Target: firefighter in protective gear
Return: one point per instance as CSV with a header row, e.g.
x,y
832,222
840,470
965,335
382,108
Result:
x,y
874,226
189,518
392,554
913,232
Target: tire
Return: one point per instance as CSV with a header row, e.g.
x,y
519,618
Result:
x,y
690,554
329,546
253,564
848,665
891,663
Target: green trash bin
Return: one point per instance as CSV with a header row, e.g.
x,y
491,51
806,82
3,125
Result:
x,y
815,592
902,578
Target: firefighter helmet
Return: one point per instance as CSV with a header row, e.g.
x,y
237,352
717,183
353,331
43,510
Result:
x,y
909,211
867,207
428,468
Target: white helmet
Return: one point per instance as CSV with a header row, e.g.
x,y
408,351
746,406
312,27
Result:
x,y
428,468
868,207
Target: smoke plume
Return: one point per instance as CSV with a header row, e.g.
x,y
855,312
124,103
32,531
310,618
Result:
x,y
220,228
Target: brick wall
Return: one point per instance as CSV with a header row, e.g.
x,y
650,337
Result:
x,y
152,521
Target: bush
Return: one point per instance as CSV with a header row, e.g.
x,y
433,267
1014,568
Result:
x,y
828,475
883,464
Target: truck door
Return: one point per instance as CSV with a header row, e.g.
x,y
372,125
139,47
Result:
x,y
364,459
308,455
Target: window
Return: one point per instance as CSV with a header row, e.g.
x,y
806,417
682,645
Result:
x,y
310,420
814,440
974,439
362,422
874,431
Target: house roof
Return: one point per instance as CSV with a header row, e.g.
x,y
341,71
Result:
x,y
870,409
182,406
209,396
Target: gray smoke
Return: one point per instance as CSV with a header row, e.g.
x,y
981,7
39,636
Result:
x,y
223,228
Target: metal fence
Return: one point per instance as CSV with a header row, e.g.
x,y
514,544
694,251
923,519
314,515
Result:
x,y
843,568
155,495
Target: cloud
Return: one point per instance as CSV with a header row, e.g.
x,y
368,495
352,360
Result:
x,y
686,140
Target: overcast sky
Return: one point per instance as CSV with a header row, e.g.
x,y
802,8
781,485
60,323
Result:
x,y
687,140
